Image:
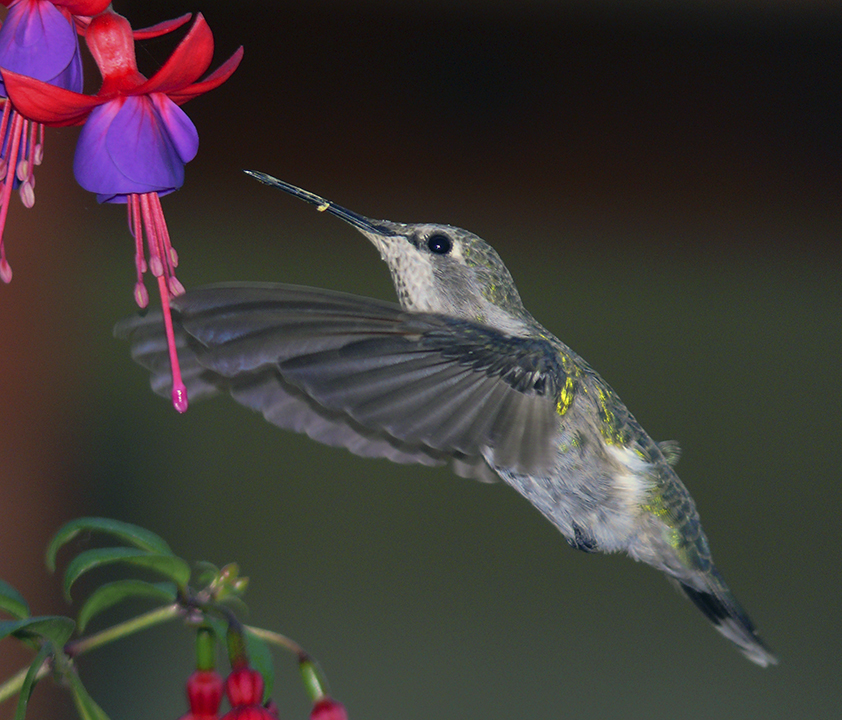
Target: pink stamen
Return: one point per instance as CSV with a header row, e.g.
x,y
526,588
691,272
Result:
x,y
7,110
135,228
162,235
27,194
23,167
156,267
176,288
141,295
153,241
30,154
5,193
23,170
38,155
147,217
179,390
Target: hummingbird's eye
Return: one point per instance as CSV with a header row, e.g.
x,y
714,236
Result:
x,y
439,244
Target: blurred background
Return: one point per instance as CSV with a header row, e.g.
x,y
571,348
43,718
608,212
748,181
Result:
x,y
663,181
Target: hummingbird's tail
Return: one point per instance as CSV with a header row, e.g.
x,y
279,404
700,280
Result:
x,y
720,607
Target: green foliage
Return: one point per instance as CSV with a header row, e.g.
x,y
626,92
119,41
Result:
x,y
169,566
85,705
55,628
12,602
131,534
261,660
30,680
211,608
112,593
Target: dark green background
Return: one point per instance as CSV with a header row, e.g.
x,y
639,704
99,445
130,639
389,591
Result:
x,y
663,181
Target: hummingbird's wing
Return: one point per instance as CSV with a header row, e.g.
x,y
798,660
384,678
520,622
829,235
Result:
x,y
364,374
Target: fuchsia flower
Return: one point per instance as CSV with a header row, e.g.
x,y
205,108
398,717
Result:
x,y
38,39
136,140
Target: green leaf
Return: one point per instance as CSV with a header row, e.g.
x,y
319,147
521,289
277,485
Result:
x,y
30,680
208,572
55,628
85,705
219,627
131,534
12,602
260,658
112,593
168,565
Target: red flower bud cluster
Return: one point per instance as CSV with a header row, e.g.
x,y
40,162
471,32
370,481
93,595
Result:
x,y
244,688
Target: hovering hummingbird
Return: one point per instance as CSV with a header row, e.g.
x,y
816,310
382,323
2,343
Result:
x,y
459,372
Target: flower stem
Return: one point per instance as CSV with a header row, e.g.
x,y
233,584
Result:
x,y
277,639
115,632
12,686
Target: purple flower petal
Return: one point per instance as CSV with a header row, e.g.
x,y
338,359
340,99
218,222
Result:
x,y
38,41
126,147
180,128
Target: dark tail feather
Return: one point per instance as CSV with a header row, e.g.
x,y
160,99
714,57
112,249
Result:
x,y
723,610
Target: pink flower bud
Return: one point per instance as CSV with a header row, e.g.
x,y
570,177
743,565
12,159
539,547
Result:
x,y
328,709
204,692
244,687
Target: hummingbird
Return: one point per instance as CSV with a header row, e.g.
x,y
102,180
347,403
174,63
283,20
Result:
x,y
460,373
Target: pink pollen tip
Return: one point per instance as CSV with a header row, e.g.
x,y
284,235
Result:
x,y
176,288
141,295
5,271
156,267
27,194
24,170
179,398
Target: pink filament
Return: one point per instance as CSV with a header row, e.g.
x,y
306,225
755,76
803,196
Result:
x,y
146,214
8,182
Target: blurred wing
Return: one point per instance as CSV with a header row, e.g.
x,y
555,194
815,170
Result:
x,y
365,374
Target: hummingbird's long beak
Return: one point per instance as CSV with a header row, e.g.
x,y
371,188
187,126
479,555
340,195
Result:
x,y
358,221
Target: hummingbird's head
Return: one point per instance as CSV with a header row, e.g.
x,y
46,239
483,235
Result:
x,y
435,268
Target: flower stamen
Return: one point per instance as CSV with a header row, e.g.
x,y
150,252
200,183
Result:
x,y
8,181
147,216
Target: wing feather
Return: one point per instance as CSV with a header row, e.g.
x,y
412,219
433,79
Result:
x,y
364,374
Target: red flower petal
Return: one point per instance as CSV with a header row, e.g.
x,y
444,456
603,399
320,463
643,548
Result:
x,y
189,60
215,79
45,103
82,7
161,28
